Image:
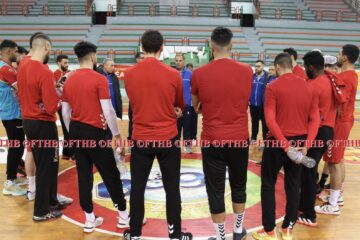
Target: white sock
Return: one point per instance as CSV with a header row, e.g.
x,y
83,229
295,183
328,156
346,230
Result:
x,y
124,214
90,216
220,231
334,197
32,185
238,224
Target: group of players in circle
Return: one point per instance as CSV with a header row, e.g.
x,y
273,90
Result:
x,y
294,105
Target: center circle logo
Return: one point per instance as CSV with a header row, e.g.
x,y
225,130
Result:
x,y
195,208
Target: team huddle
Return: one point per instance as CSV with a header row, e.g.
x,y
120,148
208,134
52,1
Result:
x,y
304,114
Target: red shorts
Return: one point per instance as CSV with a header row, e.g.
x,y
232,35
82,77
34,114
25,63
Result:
x,y
335,153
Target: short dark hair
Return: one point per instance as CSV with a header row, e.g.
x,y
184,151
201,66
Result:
x,y
189,65
32,38
138,54
221,36
7,44
151,41
315,59
83,48
291,52
284,60
22,50
61,57
260,61
351,52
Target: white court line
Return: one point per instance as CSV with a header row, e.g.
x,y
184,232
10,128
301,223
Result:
x,y
66,218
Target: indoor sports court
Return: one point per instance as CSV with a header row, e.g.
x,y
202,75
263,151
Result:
x,y
111,34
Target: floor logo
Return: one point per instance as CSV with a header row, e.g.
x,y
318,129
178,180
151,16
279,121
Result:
x,y
195,209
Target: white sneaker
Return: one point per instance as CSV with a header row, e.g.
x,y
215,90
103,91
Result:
x,y
326,197
125,223
328,209
11,188
90,226
30,196
64,200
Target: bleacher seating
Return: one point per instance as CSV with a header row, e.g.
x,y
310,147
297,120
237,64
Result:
x,y
124,33
287,7
57,7
330,9
205,8
64,33
16,7
304,36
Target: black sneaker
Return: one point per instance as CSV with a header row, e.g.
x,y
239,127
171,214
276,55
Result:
x,y
127,235
311,222
240,236
58,207
186,236
49,216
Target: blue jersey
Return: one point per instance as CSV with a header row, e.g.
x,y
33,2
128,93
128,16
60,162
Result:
x,y
9,104
186,78
256,97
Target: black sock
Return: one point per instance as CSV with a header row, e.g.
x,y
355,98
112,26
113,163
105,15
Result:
x,y
323,180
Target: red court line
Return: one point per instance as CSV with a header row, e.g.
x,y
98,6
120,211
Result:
x,y
43,29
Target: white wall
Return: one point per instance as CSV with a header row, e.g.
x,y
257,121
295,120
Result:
x,y
102,5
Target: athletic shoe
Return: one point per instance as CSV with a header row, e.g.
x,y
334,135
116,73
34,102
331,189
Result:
x,y
21,181
90,226
57,207
286,233
64,200
263,235
30,196
188,149
240,236
186,236
327,208
125,223
326,197
311,222
49,216
127,235
11,188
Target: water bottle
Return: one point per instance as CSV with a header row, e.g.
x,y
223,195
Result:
x,y
120,163
299,158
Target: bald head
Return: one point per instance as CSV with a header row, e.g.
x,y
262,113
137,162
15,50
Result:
x,y
108,65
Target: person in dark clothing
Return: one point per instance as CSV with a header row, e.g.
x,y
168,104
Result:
x,y
270,77
256,98
107,70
